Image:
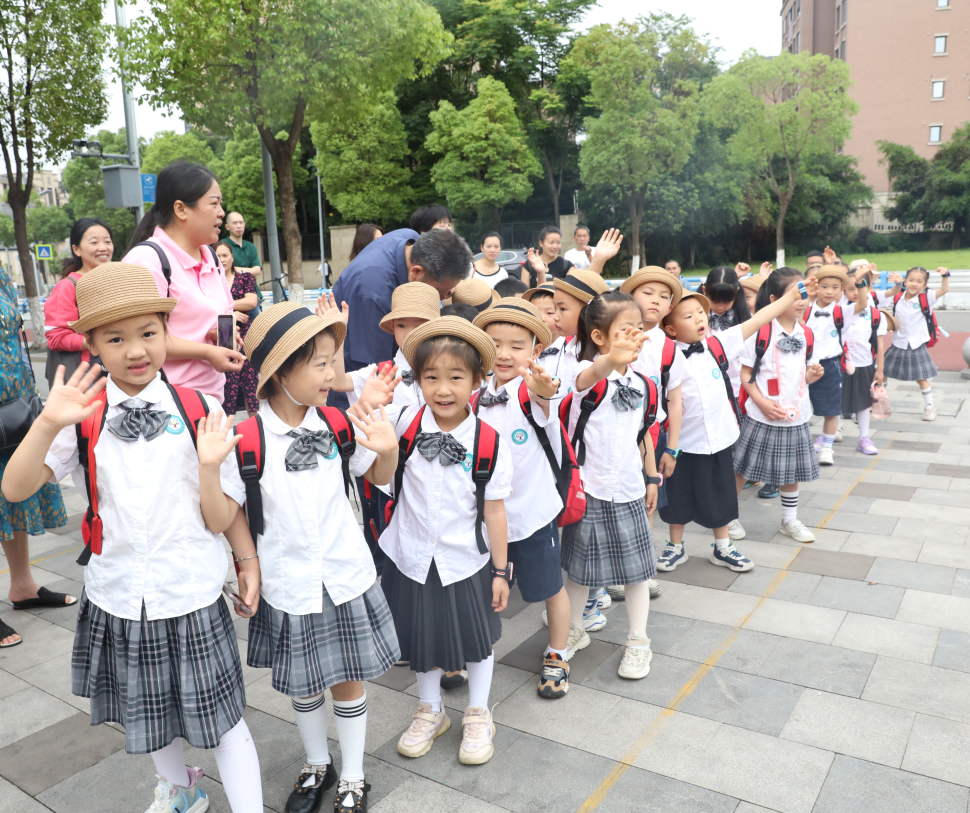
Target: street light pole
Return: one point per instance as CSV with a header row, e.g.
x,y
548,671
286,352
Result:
x,y
323,256
272,237
130,127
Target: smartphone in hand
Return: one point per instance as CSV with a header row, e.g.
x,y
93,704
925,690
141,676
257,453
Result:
x,y
226,331
236,600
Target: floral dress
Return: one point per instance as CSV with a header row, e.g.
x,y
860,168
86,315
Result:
x,y
244,382
46,508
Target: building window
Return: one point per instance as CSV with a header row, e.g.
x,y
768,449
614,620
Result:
x,y
939,46
798,9
838,17
798,42
936,134
938,89
837,52
942,3
843,50
845,11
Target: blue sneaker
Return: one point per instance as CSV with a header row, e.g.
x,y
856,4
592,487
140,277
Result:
x,y
730,557
593,619
672,556
176,799
603,599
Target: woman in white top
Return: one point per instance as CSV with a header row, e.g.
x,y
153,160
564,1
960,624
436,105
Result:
x,y
908,358
155,648
486,269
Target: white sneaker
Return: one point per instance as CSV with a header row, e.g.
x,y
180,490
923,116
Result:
x,y
735,531
655,589
797,531
617,592
825,456
636,659
578,639
478,731
603,599
838,435
929,413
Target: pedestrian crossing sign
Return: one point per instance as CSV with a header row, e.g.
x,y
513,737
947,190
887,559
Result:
x,y
45,252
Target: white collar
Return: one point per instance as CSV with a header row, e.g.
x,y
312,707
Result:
x,y
275,424
465,431
153,392
511,387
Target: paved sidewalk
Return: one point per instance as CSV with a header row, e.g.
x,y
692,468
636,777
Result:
x,y
833,678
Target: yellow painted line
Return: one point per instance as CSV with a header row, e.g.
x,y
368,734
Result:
x,y
45,558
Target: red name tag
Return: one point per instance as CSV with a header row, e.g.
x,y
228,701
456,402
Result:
x,y
773,388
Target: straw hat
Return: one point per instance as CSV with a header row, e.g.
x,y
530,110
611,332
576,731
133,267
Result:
x,y
516,310
474,292
116,291
279,331
705,304
891,323
546,288
753,283
451,326
583,285
832,271
654,273
413,300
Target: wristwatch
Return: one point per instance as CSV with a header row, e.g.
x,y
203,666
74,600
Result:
x,y
946,274
802,290
653,481
506,573
674,453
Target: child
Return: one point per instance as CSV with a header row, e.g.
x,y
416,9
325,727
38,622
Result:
x,y
573,294
775,445
155,648
474,292
510,287
322,622
445,588
612,543
728,308
826,318
535,504
543,297
751,285
700,490
908,359
865,350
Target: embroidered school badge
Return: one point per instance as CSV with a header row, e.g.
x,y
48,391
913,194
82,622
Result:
x,y
716,372
655,380
332,453
466,464
520,436
835,333
176,426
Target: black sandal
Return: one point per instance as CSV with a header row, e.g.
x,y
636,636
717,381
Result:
x,y
351,797
45,598
5,632
307,799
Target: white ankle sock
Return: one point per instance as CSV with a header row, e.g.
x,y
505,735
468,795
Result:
x,y
789,505
311,721
238,766
928,396
828,440
562,653
350,718
429,688
170,763
480,681
722,543
863,416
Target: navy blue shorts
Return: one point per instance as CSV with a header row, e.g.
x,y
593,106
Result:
x,y
537,563
826,393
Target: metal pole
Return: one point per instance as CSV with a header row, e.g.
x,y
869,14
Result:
x,y
131,129
323,255
272,237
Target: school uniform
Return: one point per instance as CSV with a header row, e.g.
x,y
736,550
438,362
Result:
x,y
534,505
612,543
826,393
155,649
857,386
778,451
702,487
438,586
560,360
322,618
908,358
718,324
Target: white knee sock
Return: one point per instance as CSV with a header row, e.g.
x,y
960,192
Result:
x,y
928,396
350,717
863,416
429,688
170,763
480,681
638,608
311,720
239,770
789,505
578,595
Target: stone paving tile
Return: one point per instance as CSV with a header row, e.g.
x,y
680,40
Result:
x,y
884,491
953,651
961,583
935,610
930,578
119,783
948,554
398,678
505,681
945,532
849,726
528,655
54,677
857,596
417,793
828,563
565,721
902,466
28,711
898,508
746,653
651,792
42,641
665,681
828,668
703,604
794,587
10,684
664,629
854,503
819,624
862,523
949,471
890,547
917,687
14,800
939,748
916,446
882,636
700,572
854,785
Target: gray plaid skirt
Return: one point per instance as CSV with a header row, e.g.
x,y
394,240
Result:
x,y
780,455
611,544
310,653
174,677
906,364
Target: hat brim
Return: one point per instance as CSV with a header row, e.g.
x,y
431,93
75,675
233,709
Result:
x,y
753,283
654,274
294,338
831,272
122,310
578,293
451,326
508,312
406,313
891,324
705,304
545,288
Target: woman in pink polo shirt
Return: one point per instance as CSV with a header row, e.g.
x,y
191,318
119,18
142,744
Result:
x,y
181,226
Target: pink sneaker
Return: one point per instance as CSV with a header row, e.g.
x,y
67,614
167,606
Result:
x,y
478,731
866,446
426,726
818,444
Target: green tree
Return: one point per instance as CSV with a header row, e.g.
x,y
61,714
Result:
x,y
6,231
486,161
784,110
241,177
362,163
227,63
48,225
830,188
51,52
168,146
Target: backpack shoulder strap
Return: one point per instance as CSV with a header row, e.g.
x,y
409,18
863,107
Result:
x,y
650,401
405,445
87,432
192,407
475,398
525,404
924,305
809,342
666,362
484,458
896,299
838,319
761,344
166,266
339,424
717,350
251,458
591,400
215,257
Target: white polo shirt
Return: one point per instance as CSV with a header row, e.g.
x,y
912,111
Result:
x,y
709,424
404,395
311,538
435,518
822,323
650,361
156,548
911,330
534,501
789,369
857,332
613,469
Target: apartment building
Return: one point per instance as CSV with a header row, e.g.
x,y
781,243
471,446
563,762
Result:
x,y
47,184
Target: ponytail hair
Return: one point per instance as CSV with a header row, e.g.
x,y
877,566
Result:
x,y
722,286
74,263
599,314
179,181
775,285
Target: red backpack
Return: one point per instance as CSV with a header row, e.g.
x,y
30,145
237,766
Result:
x,y
484,458
191,406
928,315
761,347
568,482
666,362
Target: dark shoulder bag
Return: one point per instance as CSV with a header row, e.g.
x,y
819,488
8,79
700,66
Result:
x,y
18,415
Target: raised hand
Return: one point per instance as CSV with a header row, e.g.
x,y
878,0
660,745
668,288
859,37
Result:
x,y
70,403
538,266
212,442
609,244
627,343
379,387
327,306
741,269
896,279
766,269
379,435
538,380
828,256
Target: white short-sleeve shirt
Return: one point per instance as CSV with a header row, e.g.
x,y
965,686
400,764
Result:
x,y
310,538
911,329
578,258
822,323
650,361
709,424
405,394
858,332
436,515
734,366
534,501
156,548
789,369
491,280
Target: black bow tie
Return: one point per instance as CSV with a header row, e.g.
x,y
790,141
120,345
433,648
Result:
x,y
137,422
822,314
487,399
721,321
408,377
696,347
790,344
302,452
441,445
549,351
626,398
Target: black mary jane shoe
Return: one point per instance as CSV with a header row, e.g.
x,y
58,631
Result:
x,y
308,799
351,797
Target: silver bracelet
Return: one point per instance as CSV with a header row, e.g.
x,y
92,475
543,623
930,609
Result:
x,y
244,558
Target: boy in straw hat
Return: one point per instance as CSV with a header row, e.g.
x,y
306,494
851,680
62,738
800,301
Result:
x,y
323,622
519,334
155,565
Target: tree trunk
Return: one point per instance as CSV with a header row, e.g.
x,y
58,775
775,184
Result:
x,y
783,203
19,209
554,188
635,245
496,218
